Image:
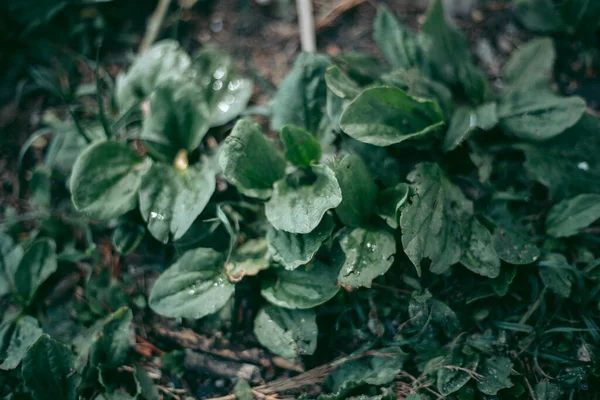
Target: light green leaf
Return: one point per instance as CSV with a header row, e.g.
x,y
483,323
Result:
x,y
569,217
145,385
193,287
479,256
170,199
300,100
249,259
301,148
48,371
250,160
531,64
359,191
548,391
514,248
294,249
37,264
496,373
287,333
40,187
391,202
386,115
105,180
243,390
453,375
557,274
341,84
298,207
127,236
465,121
25,332
10,256
538,114
539,16
399,46
305,287
163,61
435,225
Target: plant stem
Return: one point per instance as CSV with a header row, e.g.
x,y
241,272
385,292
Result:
x,y
154,25
307,25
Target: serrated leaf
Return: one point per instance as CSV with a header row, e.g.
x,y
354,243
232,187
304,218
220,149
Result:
x,y
538,114
249,259
359,191
287,333
171,199
25,332
301,148
384,115
400,47
368,253
251,161
480,257
548,391
449,378
305,287
294,249
298,207
556,274
569,217
37,264
301,97
435,225
496,373
193,287
531,64
105,180
514,248
48,371
163,61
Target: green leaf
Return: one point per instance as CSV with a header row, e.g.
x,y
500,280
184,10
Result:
x,y
105,180
251,161
127,236
368,253
400,47
538,114
539,16
453,374
48,371
341,84
294,249
391,202
305,287
287,333
465,121
25,332
163,61
171,199
435,225
298,207
531,64
110,341
557,274
359,191
145,384
40,187
193,287
249,259
300,100
37,264
496,371
565,163
548,391
480,256
301,148
513,248
386,115
569,217
10,256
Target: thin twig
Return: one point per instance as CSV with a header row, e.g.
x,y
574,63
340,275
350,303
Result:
x,y
154,25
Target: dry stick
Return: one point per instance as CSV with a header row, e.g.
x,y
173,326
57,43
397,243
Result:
x,y
336,12
154,25
306,22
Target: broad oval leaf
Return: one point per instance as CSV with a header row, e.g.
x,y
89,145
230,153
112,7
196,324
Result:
x,y
400,47
479,256
548,391
301,148
294,249
299,207
287,333
249,259
341,84
435,225
557,274
250,160
193,287
170,199
531,64
569,217
305,287
384,115
391,202
359,191
25,332
48,371
539,16
37,264
514,248
496,374
453,375
368,253
465,120
105,180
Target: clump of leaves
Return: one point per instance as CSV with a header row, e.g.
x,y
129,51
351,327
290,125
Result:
x,y
474,207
